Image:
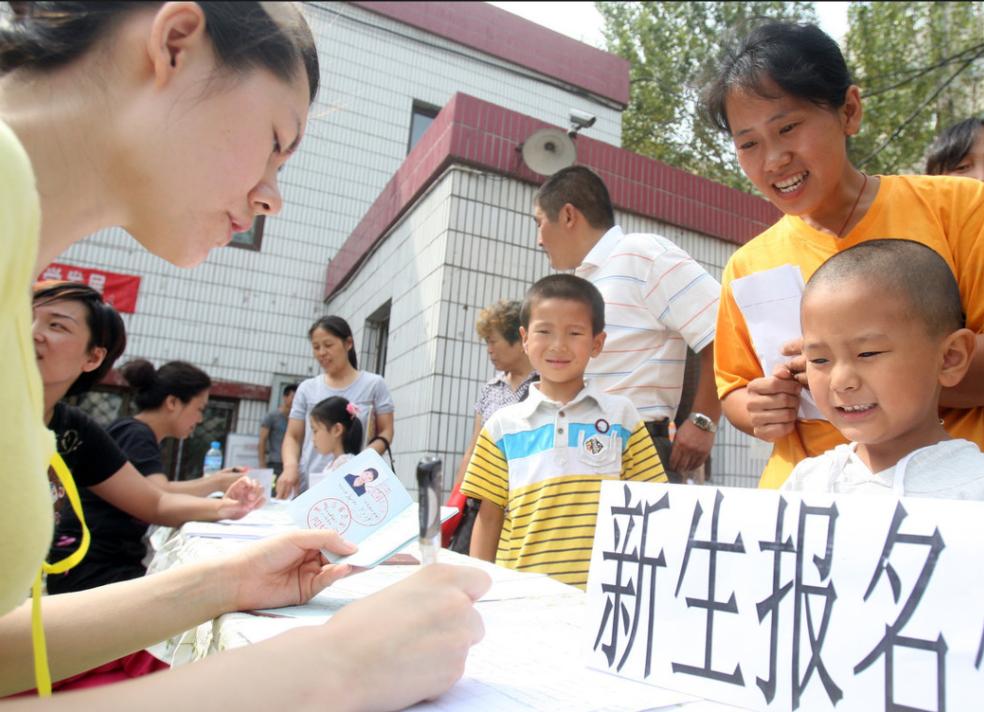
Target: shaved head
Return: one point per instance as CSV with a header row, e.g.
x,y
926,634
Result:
x,y
905,269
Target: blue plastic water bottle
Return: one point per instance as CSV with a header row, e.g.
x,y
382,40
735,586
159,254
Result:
x,y
213,458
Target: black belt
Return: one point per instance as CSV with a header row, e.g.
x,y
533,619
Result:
x,y
658,428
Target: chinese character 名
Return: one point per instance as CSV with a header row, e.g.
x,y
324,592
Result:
x,y
711,603
893,638
617,617
97,281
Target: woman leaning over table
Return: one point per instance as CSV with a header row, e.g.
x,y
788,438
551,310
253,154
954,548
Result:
x,y
172,119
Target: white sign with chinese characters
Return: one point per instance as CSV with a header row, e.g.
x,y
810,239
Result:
x,y
778,601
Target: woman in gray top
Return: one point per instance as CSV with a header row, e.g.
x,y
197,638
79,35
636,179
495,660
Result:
x,y
333,346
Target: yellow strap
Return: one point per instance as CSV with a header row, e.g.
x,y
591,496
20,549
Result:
x,y
65,477
42,675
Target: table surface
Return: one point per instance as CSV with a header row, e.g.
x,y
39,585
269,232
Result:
x,y
532,656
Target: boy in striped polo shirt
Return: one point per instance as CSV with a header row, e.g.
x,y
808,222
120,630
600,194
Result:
x,y
538,465
658,301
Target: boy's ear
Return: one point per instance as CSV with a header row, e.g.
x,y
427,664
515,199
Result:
x,y
958,350
524,335
598,343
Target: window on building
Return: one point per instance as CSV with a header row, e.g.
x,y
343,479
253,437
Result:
x,y
375,340
252,238
421,118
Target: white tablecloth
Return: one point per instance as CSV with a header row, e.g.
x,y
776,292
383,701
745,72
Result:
x,y
532,657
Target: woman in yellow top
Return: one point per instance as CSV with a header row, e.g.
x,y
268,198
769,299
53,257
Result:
x,y
785,96
172,119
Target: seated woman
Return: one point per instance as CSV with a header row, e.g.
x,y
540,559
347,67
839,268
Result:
x,y
77,338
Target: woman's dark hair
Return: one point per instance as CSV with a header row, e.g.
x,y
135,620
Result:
x,y
42,36
175,378
335,410
952,145
336,326
801,60
106,329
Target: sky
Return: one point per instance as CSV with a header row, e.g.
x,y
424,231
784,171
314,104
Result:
x,y
582,21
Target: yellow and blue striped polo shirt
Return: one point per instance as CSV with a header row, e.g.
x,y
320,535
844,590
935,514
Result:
x,y
543,462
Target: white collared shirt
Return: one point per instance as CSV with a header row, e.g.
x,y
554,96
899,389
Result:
x,y
658,300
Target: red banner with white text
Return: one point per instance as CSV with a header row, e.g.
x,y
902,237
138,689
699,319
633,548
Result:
x,y
119,290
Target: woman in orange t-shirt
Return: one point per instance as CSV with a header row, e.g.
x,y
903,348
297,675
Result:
x,y
786,98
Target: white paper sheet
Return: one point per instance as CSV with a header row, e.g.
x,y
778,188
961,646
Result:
x,y
770,302
234,530
531,659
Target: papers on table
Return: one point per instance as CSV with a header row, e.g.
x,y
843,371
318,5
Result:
x,y
770,303
234,530
532,659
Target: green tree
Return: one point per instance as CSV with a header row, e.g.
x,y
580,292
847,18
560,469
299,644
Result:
x,y
672,47
920,66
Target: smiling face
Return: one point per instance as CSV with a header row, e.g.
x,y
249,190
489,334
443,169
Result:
x,y
330,351
873,369
793,150
61,344
559,343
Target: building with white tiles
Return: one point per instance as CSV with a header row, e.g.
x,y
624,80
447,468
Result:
x,y
407,210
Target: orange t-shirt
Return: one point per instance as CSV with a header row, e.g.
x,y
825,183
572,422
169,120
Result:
x,y
944,213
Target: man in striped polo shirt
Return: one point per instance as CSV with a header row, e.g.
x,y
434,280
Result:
x,y
658,301
538,465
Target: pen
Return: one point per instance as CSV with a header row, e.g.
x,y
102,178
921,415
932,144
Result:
x,y
429,487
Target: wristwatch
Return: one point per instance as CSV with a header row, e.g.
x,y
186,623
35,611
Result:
x,y
703,422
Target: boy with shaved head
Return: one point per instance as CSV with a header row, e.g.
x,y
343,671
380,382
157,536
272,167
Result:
x,y
883,334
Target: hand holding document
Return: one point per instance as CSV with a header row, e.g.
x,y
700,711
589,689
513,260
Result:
x,y
770,303
365,502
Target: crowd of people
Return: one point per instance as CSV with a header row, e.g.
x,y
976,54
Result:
x,y
589,367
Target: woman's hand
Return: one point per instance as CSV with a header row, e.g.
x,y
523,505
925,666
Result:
x,y
284,570
222,479
288,482
797,361
243,496
773,403
408,642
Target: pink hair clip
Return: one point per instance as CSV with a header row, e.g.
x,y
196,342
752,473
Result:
x,y
352,409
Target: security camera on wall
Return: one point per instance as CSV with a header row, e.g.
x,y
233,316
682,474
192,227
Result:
x,y
580,120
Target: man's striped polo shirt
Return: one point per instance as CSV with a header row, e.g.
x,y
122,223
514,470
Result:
x,y
658,300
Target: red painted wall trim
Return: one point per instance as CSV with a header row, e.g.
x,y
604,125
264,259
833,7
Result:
x,y
222,389
502,34
473,132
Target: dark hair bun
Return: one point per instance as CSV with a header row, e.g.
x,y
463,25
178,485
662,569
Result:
x,y
140,374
